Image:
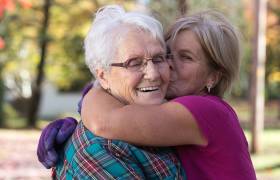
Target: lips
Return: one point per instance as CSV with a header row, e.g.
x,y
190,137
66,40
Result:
x,y
148,89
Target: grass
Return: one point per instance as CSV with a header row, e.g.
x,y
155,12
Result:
x,y
267,162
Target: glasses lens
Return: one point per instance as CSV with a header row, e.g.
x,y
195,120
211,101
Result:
x,y
135,64
158,59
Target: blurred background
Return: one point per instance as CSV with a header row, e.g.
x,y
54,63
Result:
x,y
43,72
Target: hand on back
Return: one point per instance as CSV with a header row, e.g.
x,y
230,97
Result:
x,y
55,134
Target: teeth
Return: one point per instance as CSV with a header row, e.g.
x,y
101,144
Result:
x,y
144,89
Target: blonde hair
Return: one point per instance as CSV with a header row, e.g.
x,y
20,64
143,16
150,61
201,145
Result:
x,y
219,41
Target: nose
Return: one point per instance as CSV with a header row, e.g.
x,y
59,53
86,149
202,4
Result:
x,y
173,73
151,71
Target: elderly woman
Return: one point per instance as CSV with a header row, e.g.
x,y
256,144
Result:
x,y
203,127
126,53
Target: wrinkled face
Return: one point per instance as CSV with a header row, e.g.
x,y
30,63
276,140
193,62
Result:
x,y
147,86
191,73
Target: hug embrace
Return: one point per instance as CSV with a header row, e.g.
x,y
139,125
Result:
x,y
156,109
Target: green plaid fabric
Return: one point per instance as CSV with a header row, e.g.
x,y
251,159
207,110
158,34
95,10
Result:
x,y
87,156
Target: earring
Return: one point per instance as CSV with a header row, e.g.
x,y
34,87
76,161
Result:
x,y
209,86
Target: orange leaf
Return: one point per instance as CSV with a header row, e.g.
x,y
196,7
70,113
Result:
x,y
25,3
2,43
6,5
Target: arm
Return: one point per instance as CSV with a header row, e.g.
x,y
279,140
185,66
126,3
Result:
x,y
168,124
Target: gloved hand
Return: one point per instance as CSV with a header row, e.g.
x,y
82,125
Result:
x,y
55,134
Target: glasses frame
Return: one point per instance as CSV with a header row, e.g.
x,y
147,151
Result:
x,y
125,64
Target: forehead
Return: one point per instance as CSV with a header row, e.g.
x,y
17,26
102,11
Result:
x,y
186,40
138,42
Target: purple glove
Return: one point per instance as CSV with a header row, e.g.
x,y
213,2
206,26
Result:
x,y
55,134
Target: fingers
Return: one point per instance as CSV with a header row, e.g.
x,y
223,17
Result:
x,y
51,133
66,130
46,151
42,153
41,147
57,132
49,163
50,159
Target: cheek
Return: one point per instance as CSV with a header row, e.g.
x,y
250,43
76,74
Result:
x,y
124,89
165,74
184,73
202,73
131,82
123,84
191,72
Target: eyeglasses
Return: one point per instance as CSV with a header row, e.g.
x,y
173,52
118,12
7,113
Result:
x,y
139,63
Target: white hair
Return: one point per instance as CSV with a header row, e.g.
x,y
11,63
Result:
x,y
107,29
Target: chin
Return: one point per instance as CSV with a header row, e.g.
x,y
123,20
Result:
x,y
151,102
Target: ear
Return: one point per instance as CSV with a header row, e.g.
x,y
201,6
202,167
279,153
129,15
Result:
x,y
102,77
213,79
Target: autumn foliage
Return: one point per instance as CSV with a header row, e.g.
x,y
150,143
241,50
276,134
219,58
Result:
x,y
10,6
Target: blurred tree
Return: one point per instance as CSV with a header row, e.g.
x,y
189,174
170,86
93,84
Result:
x,y
66,48
2,117
2,45
183,7
64,61
6,7
273,51
164,10
66,66
37,86
258,74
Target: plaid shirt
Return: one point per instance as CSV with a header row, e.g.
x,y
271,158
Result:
x,y
87,156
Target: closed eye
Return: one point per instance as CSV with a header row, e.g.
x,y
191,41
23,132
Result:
x,y
185,58
134,62
158,59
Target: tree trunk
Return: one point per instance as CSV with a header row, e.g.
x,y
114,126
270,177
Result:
x,y
258,75
182,7
36,88
2,90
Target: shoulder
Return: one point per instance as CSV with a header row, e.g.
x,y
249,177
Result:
x,y
214,116
204,104
82,140
92,145
200,100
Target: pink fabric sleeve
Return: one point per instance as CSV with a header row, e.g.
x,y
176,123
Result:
x,y
209,113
